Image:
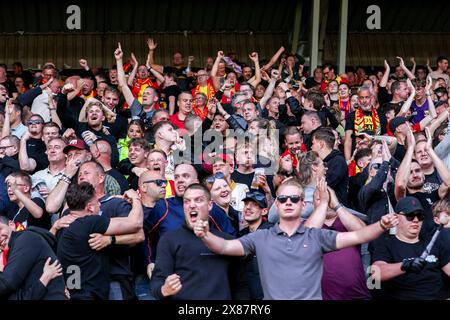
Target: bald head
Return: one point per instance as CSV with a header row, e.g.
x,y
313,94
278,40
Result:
x,y
103,146
152,185
150,175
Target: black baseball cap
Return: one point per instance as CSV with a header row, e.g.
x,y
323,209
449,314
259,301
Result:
x,y
397,121
258,197
408,205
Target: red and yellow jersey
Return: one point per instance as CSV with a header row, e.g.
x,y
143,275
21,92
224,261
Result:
x,y
140,85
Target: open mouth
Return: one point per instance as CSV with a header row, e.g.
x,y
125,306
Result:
x,y
224,194
3,243
156,168
193,216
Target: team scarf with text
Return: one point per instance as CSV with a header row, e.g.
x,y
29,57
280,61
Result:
x,y
360,122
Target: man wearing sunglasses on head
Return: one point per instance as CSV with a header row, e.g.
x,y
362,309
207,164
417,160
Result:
x,y
290,254
397,260
32,156
152,187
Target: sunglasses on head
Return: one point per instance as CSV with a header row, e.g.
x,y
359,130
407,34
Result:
x,y
218,175
410,217
158,182
284,199
256,195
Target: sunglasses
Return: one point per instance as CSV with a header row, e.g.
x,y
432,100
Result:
x,y
218,175
158,182
410,217
255,195
294,199
375,166
35,122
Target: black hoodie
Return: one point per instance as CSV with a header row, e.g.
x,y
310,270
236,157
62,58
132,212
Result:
x,y
337,175
28,252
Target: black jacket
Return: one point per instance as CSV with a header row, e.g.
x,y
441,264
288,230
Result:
x,y
28,252
373,198
337,174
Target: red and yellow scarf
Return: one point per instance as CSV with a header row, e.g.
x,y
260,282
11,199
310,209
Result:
x,y
140,85
210,92
361,125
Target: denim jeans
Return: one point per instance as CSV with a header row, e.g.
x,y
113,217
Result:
x,y
115,291
142,288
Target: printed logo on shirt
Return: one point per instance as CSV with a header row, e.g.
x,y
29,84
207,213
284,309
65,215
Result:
x,y
431,259
429,187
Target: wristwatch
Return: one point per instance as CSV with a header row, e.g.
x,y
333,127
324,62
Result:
x,y
113,240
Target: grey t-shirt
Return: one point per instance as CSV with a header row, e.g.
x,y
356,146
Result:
x,y
290,267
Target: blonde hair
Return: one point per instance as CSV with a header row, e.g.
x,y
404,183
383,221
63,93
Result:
x,y
441,206
292,183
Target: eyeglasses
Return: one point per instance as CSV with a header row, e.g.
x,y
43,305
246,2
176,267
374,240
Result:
x,y
375,166
35,122
284,199
410,217
158,182
218,175
6,147
255,195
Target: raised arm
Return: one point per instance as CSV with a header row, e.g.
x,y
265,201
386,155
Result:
x,y
29,204
56,197
214,69
216,244
268,93
436,123
366,234
387,71
407,105
134,71
131,224
274,59
317,218
118,54
410,75
150,57
440,166
401,179
52,108
26,163
413,70
429,96
6,130
257,79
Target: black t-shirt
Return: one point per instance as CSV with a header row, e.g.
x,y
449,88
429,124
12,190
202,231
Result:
x,y
350,125
172,91
400,152
432,181
119,254
118,128
36,149
246,178
182,80
428,284
24,216
74,250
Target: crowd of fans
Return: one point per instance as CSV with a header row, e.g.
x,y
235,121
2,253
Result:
x,y
224,180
